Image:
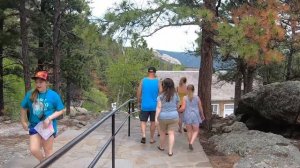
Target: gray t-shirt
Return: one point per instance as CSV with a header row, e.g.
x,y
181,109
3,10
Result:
x,y
168,109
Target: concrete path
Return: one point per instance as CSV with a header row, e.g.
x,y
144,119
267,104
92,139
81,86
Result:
x,y
130,153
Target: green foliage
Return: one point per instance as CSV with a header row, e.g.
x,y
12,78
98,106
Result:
x,y
95,100
234,42
128,19
13,91
124,74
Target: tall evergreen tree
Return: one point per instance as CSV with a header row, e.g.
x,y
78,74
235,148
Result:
x,y
24,43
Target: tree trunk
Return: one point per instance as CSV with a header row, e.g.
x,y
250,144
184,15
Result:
x,y
292,50
294,9
68,97
41,60
56,46
1,69
248,79
24,41
289,64
206,67
238,83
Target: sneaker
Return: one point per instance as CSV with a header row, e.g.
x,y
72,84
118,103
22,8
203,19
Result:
x,y
191,147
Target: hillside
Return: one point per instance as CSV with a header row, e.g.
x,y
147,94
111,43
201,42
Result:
x,y
186,59
191,61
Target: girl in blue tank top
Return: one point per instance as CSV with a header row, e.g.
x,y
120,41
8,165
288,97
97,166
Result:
x,y
192,114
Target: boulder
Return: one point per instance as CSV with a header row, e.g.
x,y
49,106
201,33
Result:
x,y
273,107
258,149
81,117
7,122
236,126
6,118
231,117
76,111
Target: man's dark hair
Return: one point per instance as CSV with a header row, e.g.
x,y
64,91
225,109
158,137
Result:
x,y
151,69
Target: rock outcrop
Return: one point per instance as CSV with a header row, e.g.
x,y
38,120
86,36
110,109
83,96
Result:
x,y
274,107
258,149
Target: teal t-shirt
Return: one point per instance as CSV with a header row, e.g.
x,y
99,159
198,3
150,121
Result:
x,y
47,103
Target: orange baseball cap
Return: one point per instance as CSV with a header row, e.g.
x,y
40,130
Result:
x,y
41,74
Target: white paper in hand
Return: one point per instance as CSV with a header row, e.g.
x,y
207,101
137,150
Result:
x,y
44,132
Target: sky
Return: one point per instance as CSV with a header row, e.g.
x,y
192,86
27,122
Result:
x,y
178,39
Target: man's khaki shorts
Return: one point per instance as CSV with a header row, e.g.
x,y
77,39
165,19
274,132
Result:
x,y
168,125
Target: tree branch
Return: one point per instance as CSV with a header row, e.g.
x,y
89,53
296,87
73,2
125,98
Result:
x,y
217,8
170,25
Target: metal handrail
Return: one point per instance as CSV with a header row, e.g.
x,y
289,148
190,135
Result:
x,y
55,156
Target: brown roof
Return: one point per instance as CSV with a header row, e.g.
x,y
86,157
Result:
x,y
220,90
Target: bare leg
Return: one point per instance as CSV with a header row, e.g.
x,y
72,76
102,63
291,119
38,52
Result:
x,y
180,123
158,130
189,132
143,128
162,139
171,141
48,146
194,133
35,146
152,130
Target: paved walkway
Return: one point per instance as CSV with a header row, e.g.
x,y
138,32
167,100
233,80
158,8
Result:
x,y
130,153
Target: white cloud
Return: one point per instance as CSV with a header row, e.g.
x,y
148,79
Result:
x,y
171,39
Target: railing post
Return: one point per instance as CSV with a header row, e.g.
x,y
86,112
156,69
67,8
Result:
x,y
132,106
129,112
113,140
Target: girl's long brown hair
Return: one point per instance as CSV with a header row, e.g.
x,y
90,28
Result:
x,y
168,89
34,95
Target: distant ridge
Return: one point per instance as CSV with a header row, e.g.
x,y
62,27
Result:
x,y
186,59
189,60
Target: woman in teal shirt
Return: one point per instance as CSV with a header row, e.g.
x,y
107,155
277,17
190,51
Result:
x,y
44,105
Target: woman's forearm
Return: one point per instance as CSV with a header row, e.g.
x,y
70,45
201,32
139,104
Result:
x,y
56,114
157,113
23,115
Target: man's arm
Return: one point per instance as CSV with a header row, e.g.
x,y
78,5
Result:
x,y
160,87
139,94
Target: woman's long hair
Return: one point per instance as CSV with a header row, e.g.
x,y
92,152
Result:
x,y
168,89
34,95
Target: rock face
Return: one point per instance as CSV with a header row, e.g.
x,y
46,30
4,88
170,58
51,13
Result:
x,y
236,126
274,107
77,111
258,149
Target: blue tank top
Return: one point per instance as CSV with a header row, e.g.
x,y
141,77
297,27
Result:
x,y
150,91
